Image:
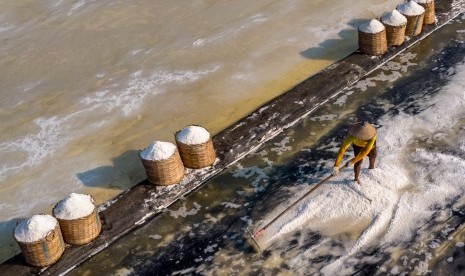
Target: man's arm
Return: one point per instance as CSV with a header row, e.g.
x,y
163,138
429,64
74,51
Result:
x,y
345,145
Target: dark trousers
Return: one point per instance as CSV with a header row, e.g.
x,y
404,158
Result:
x,y
371,155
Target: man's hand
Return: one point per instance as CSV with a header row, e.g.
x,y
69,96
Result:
x,y
335,171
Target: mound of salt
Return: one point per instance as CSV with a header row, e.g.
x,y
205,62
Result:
x,y
371,27
74,206
410,8
393,18
35,228
158,151
193,135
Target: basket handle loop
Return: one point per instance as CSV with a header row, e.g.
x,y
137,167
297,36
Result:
x,y
50,235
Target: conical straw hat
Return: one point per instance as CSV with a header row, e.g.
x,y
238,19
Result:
x,y
362,131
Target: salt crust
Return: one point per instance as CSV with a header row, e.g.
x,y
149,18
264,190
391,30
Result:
x,y
371,27
193,135
410,8
74,206
158,151
35,228
393,18
423,1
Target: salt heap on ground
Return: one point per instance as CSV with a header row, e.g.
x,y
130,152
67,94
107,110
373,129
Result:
x,y
371,27
193,135
393,18
74,206
410,8
158,151
35,228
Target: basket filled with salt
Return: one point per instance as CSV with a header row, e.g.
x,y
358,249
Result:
x,y
40,240
414,14
162,163
78,218
372,38
395,24
430,16
195,146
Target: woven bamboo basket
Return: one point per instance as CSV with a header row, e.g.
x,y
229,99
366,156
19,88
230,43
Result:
x,y
430,16
372,44
165,172
395,35
197,156
44,252
414,24
81,230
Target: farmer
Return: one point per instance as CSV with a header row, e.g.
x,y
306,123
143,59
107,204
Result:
x,y
363,138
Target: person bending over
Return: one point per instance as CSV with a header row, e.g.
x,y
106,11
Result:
x,y
363,138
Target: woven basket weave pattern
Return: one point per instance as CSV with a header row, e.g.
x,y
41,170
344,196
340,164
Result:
x,y
372,44
414,24
395,35
430,16
197,156
44,252
165,172
81,230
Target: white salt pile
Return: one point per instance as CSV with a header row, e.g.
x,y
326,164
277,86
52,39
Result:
x,y
410,8
371,27
393,18
193,135
158,151
35,228
74,206
423,1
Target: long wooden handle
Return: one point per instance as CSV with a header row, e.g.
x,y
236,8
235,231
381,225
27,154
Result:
x,y
260,231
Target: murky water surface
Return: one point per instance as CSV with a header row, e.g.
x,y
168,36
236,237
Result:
x,y
413,225
85,83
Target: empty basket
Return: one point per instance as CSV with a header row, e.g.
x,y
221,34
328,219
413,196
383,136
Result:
x,y
164,172
44,252
81,230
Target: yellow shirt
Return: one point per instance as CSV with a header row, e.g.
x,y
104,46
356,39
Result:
x,y
366,144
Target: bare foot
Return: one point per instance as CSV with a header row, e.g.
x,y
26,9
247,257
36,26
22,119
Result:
x,y
358,181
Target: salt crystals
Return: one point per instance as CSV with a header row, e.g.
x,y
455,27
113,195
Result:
x,y
158,151
393,18
193,135
74,206
410,8
371,27
35,228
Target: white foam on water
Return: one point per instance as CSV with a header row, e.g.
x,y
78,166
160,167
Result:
x,y
140,87
403,198
231,31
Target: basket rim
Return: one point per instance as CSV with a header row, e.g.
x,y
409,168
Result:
x,y
395,26
187,145
91,199
44,239
372,33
